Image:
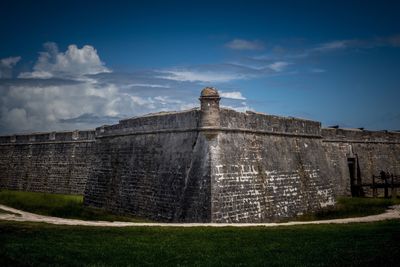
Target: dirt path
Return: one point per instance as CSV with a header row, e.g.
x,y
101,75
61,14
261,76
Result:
x,y
23,216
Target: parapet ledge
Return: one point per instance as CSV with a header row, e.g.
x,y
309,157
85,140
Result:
x,y
231,120
251,112
264,122
359,135
153,122
159,114
42,137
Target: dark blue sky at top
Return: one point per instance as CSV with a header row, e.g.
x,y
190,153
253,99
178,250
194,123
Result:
x,y
355,85
154,33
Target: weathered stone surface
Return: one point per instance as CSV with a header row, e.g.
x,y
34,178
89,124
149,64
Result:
x,y
211,165
262,178
159,175
46,162
373,151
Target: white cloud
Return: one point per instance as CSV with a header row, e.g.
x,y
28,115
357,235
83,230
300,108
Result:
x,y
33,106
242,107
74,62
386,41
241,44
6,66
43,107
279,65
232,95
200,76
58,93
147,85
164,100
334,45
140,101
38,108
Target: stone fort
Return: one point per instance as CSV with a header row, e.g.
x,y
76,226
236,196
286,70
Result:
x,y
207,164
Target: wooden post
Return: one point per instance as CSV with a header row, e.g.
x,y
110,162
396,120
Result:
x,y
386,187
374,191
392,193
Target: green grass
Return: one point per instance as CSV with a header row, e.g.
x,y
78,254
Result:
x,y
369,244
33,244
57,205
347,207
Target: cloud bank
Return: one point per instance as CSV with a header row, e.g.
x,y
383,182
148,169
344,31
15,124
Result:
x,y
232,95
73,89
73,63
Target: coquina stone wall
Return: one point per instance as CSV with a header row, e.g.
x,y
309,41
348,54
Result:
x,y
55,162
155,166
372,151
267,168
210,165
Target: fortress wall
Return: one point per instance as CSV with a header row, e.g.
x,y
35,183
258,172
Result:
x,y
55,162
252,168
158,175
262,122
154,122
337,162
262,176
374,152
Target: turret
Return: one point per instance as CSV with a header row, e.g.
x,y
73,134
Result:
x,y
209,100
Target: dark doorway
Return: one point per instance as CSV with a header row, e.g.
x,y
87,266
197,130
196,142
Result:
x,y
354,186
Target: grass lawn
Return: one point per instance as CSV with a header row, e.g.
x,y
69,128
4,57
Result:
x,y
34,244
369,244
57,205
347,207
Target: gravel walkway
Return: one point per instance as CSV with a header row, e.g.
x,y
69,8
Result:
x,y
22,216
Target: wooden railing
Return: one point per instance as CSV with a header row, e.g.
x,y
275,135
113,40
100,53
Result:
x,y
386,181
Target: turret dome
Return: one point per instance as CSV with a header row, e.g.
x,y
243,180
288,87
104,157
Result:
x,y
209,92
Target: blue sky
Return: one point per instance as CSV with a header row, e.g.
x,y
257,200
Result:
x,y
81,64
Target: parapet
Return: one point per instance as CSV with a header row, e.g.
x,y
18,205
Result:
x,y
256,121
45,137
155,122
358,135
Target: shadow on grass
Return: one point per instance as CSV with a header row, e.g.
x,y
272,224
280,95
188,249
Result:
x,y
57,205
